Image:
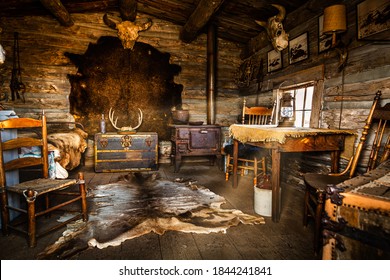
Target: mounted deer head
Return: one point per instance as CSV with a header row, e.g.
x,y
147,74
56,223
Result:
x,y
124,128
275,31
127,30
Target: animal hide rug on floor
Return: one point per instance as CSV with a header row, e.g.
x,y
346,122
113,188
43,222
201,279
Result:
x,y
139,204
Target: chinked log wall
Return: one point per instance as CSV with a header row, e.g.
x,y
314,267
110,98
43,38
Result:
x,y
43,43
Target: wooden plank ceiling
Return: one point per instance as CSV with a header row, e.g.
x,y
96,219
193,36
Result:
x,y
235,19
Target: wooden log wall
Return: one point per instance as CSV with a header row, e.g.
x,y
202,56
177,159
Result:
x,y
349,93
43,42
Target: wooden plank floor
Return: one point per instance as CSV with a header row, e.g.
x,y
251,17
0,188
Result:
x,y
285,240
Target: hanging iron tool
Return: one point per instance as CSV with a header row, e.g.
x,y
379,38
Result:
x,y
16,85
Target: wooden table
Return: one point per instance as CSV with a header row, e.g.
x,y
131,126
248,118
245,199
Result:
x,y
284,140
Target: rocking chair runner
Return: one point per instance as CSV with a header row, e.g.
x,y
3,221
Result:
x,y
34,190
316,183
249,158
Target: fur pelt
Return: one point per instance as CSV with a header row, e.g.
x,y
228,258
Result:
x,y
139,204
71,145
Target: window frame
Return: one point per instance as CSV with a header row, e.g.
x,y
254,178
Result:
x,y
316,99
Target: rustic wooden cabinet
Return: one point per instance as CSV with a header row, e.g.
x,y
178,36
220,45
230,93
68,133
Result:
x,y
195,140
126,152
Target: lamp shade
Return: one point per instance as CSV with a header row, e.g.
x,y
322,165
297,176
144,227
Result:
x,y
335,19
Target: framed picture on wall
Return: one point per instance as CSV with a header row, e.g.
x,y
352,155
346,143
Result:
x,y
274,60
324,40
298,48
373,20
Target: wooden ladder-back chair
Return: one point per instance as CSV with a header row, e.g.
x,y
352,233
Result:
x,y
42,195
316,183
249,160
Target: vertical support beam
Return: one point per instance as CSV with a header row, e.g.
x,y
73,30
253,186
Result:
x,y
211,72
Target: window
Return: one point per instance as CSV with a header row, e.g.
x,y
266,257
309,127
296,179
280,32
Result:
x,y
303,100
303,96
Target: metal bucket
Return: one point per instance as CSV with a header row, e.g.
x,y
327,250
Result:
x,y
180,116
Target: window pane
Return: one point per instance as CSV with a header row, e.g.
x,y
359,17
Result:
x,y
298,118
299,98
307,119
309,98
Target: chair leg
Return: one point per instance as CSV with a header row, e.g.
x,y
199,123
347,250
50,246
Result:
x,y
305,207
318,218
47,204
227,165
264,166
255,171
83,194
4,211
31,219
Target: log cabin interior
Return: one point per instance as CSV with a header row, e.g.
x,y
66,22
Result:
x,y
169,79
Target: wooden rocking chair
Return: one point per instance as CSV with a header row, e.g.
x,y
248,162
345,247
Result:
x,y
316,183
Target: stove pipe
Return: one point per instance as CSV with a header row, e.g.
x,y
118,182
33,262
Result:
x,y
211,73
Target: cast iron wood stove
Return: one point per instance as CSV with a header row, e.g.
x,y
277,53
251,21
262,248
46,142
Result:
x,y
195,140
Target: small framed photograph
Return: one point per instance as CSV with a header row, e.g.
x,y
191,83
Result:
x,y
274,60
373,20
324,40
298,48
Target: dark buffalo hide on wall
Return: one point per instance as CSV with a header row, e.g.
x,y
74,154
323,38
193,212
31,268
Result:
x,y
111,76
141,203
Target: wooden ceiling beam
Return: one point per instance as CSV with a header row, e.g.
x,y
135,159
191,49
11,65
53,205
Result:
x,y
128,9
199,18
59,11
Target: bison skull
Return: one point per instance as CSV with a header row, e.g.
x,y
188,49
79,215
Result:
x,y
127,30
275,31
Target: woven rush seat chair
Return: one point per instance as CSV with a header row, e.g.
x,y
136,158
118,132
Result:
x,y
39,196
250,158
379,151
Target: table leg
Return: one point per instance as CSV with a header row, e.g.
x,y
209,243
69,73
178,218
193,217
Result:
x,y
275,180
335,158
235,162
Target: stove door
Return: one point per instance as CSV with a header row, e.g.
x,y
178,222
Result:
x,y
204,138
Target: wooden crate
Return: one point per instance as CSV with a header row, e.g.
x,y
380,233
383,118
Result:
x,y
357,219
126,152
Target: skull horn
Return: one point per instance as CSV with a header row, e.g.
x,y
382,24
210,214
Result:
x,y
261,23
145,25
282,12
109,22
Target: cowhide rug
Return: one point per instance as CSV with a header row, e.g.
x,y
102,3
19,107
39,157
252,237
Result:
x,y
139,204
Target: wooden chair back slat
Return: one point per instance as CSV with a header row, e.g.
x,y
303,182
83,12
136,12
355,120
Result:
x,y
256,115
